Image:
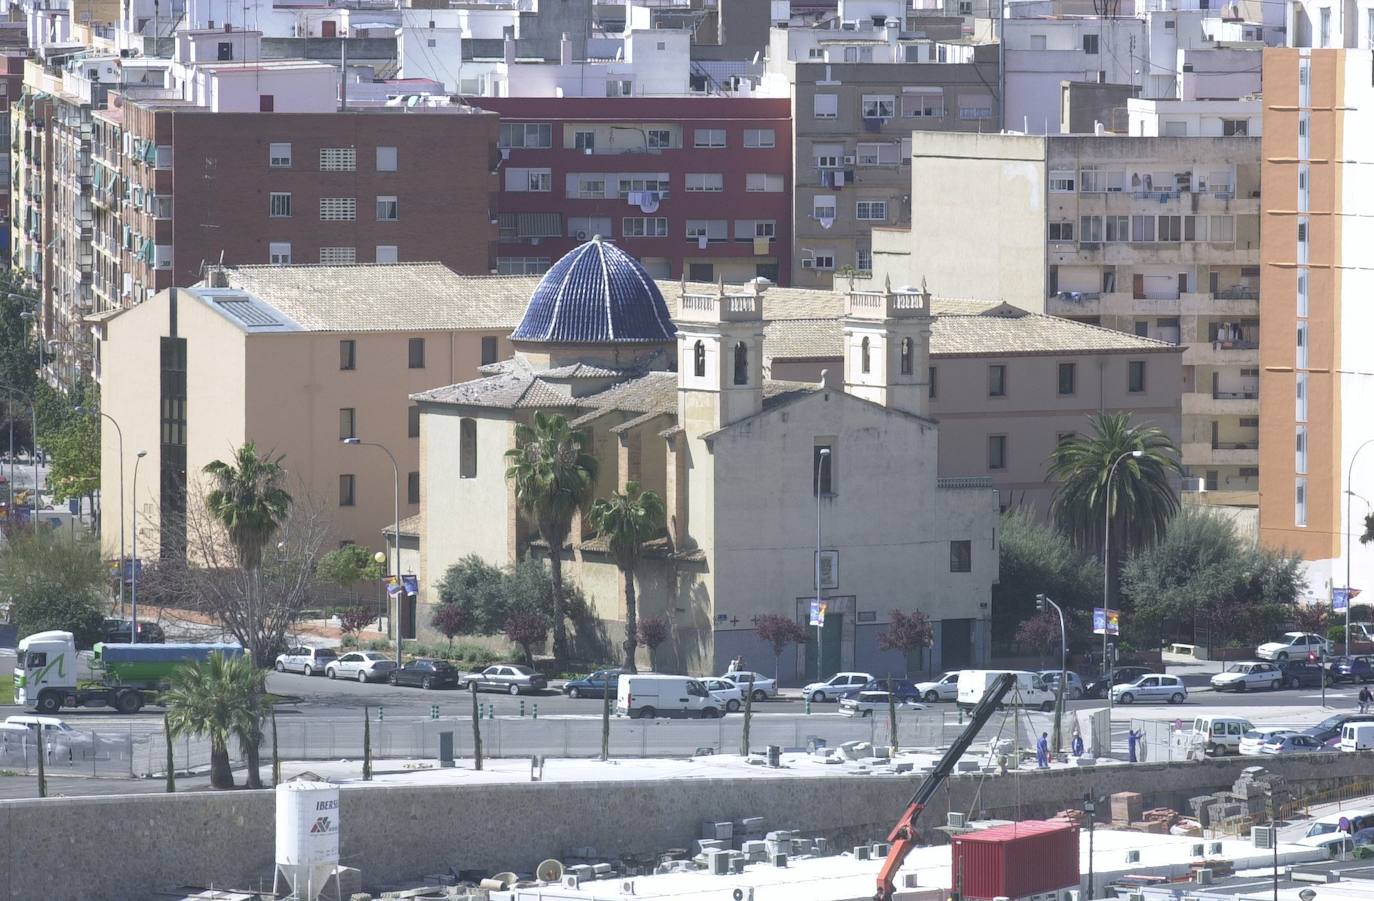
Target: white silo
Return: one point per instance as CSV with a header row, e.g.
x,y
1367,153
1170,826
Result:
x,y
307,835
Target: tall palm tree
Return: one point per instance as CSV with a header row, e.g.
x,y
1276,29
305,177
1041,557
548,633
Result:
x,y
553,475
1141,498
626,520
219,700
250,503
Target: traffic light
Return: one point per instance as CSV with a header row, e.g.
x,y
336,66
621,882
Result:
x,y
1040,603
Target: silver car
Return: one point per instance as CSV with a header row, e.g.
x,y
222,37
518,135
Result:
x,y
306,660
508,677
1152,688
365,666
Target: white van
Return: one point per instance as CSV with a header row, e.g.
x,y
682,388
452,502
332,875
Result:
x,y
1357,737
646,697
1220,734
1030,689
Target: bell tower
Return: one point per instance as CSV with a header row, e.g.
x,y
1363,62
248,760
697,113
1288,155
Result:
x,y
887,347
720,357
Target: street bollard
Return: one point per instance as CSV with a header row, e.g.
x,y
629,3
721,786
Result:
x,y
522,706
536,711
808,706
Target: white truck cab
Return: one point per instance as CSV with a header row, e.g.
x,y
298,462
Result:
x,y
48,660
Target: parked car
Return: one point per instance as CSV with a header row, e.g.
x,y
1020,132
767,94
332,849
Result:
x,y
512,678
726,692
1252,742
1220,734
1301,674
306,660
866,702
1293,645
1154,687
1329,729
1097,688
596,685
1331,823
1357,737
1294,743
1247,675
763,686
365,666
1362,631
836,687
121,631
945,688
425,673
905,689
1351,669
1072,691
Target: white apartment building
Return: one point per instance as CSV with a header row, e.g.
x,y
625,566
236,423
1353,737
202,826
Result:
x,y
1194,118
1322,24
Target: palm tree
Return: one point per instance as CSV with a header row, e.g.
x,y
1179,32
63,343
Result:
x,y
250,503
1141,498
626,520
219,699
553,475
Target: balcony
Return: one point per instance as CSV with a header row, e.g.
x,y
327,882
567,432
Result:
x,y
1221,353
1231,302
1225,453
1222,403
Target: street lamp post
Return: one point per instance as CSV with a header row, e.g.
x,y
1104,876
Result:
x,y
1090,808
1041,601
822,460
119,432
1107,568
133,574
1349,528
33,436
396,526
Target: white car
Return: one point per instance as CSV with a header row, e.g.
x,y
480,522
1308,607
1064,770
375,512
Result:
x,y
837,686
57,733
1294,646
866,702
306,660
1072,691
945,688
1248,675
365,666
1151,687
1251,742
764,686
726,692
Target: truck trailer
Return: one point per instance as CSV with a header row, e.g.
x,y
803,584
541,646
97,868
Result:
x,y
51,673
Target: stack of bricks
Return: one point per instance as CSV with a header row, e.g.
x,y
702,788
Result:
x,y
1166,815
1076,817
1126,808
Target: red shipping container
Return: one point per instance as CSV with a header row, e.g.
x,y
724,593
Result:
x,y
1016,860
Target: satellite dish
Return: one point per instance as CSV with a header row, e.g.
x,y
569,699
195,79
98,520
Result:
x,y
549,871
507,879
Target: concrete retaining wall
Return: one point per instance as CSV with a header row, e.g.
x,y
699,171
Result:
x,y
129,847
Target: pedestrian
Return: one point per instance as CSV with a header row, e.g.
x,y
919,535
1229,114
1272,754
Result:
x,y
1042,751
1132,737
1366,698
1077,744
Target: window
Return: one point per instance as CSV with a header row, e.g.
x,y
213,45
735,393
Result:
x,y
923,103
823,207
877,154
346,491
1038,41
279,205
1302,345
1300,462
489,349
1235,127
279,156
871,210
825,106
760,137
659,138
387,209
1325,27
879,106
865,361
1222,229
823,469
1142,229
386,253
338,209
1090,229
279,253
1301,394
522,180
699,360
997,381
707,182
710,229
708,137
348,354
1170,229
930,388
975,106
701,272
1061,231
347,423
620,88
1062,181
741,363
467,448
907,351
338,256
749,229
412,488
224,51
1116,229
823,259
997,452
960,556
522,265
1300,502
266,102
644,227
759,182
386,159
584,141
338,159
1090,44
534,135
1135,376
413,421
1067,371
416,353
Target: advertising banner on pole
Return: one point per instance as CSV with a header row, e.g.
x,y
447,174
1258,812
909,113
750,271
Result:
x,y
1106,622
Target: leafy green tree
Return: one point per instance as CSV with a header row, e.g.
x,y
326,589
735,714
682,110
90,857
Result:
x,y
627,519
1034,559
18,348
1140,499
54,581
350,566
476,587
553,475
249,501
524,629
215,699
75,458
487,596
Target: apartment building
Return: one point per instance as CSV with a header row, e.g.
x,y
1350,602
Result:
x,y
1157,237
1317,468
11,88
694,187
859,87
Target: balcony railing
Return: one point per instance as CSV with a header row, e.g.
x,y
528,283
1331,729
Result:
x,y
1252,394
1237,292
964,482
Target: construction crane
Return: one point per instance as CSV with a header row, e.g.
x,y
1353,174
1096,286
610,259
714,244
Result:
x,y
904,836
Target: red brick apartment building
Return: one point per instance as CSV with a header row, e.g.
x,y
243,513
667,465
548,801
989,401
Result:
x,y
694,186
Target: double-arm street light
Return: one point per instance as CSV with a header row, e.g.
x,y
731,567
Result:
x,y
396,526
1041,602
1107,568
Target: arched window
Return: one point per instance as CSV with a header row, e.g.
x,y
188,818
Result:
x,y
864,362
907,350
741,364
699,360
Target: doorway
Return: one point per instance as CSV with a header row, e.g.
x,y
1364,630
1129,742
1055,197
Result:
x,y
956,643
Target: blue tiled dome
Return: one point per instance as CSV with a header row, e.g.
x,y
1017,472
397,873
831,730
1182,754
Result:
x,y
596,294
